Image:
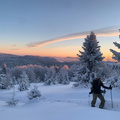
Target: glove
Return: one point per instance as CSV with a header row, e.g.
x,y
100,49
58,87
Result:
x,y
110,87
104,91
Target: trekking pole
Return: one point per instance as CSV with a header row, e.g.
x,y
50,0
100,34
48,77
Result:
x,y
111,98
88,99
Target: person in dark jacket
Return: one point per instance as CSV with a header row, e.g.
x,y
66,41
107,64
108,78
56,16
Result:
x,y
96,91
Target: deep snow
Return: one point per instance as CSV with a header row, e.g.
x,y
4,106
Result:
x,y
58,102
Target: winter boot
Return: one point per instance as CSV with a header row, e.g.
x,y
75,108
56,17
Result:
x,y
92,105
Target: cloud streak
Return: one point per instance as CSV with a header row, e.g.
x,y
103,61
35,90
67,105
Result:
x,y
108,31
13,45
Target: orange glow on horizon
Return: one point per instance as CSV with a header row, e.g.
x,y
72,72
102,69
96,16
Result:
x,y
55,52
68,51
73,55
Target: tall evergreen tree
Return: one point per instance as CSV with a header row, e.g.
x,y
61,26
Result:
x,y
116,55
89,58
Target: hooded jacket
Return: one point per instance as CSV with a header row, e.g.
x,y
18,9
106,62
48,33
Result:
x,y
96,86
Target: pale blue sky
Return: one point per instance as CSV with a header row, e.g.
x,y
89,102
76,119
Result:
x,y
26,21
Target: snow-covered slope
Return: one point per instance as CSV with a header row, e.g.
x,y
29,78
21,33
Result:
x,y
59,102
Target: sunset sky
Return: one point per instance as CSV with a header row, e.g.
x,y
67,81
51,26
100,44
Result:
x,y
57,28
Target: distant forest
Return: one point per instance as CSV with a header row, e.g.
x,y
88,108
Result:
x,y
15,60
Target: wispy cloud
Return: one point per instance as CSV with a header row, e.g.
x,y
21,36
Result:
x,y
13,45
15,49
108,31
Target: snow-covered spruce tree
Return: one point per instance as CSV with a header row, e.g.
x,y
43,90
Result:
x,y
62,76
39,73
13,81
23,82
72,73
31,74
116,55
50,76
5,82
90,59
34,93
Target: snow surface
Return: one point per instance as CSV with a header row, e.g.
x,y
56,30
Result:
x,y
58,102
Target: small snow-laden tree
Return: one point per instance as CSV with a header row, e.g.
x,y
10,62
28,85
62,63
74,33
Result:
x,y
39,73
2,81
5,81
72,73
31,74
113,77
108,71
81,76
77,76
9,80
14,80
16,72
64,72
23,82
113,81
90,58
13,101
34,93
117,84
62,76
50,76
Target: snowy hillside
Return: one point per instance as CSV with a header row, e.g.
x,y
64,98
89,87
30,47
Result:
x,y
59,102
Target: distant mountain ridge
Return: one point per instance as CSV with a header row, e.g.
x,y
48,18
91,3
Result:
x,y
15,60
66,59
3,55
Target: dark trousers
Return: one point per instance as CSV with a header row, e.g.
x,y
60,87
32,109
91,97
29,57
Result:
x,y
100,96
